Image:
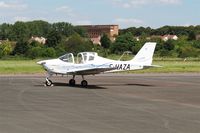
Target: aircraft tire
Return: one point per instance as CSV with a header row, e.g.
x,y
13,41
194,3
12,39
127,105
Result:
x,y
84,83
72,82
49,83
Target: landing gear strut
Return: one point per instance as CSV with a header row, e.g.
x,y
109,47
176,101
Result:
x,y
48,82
72,82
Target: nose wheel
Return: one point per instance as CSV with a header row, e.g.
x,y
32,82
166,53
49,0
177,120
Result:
x,y
48,82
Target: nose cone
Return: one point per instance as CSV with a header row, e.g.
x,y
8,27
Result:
x,y
41,62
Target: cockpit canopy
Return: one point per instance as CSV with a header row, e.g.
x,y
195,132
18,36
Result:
x,y
82,57
85,57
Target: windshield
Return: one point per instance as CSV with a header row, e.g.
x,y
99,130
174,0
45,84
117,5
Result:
x,y
67,58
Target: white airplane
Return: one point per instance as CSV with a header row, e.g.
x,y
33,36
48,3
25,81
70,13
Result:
x,y
89,63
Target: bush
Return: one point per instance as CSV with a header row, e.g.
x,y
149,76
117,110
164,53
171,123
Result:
x,y
21,48
188,51
35,52
49,52
5,49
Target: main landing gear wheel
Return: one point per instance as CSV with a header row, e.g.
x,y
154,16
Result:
x,y
72,82
48,82
84,83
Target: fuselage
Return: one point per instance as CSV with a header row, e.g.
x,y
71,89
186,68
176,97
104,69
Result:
x,y
60,67
91,63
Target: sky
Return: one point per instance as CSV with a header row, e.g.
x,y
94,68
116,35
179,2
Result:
x,y
125,13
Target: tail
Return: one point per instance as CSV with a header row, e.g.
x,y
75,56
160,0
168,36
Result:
x,y
145,55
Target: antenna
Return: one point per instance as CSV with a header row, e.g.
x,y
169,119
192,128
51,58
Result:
x,y
125,52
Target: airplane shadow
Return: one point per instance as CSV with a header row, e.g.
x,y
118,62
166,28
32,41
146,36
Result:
x,y
79,86
98,86
147,85
76,86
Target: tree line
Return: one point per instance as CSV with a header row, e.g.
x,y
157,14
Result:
x,y
63,37
172,30
187,44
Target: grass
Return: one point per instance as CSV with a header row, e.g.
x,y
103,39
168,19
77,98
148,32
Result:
x,y
19,67
173,66
169,66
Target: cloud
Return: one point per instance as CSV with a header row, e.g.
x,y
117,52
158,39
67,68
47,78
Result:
x,y
12,5
138,3
72,16
20,18
129,22
170,1
82,22
66,9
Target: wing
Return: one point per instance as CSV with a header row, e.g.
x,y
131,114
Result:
x,y
85,69
90,71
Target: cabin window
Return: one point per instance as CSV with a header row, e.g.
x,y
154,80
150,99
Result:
x,y
91,58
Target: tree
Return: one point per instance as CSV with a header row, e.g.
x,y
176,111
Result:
x,y
35,44
105,41
38,28
196,44
49,52
187,51
77,44
5,31
5,48
35,52
136,47
38,51
168,45
63,28
21,48
164,53
20,32
192,36
123,43
81,31
53,39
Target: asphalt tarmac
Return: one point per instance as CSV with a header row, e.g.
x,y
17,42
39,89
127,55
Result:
x,y
112,103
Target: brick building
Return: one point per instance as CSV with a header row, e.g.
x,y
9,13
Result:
x,y
96,31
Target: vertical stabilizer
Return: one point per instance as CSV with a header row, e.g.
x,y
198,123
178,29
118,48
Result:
x,y
145,55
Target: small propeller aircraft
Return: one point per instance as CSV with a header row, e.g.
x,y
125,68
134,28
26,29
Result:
x,y
89,63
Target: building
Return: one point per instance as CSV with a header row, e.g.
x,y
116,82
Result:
x,y
169,37
96,31
41,40
2,41
197,37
